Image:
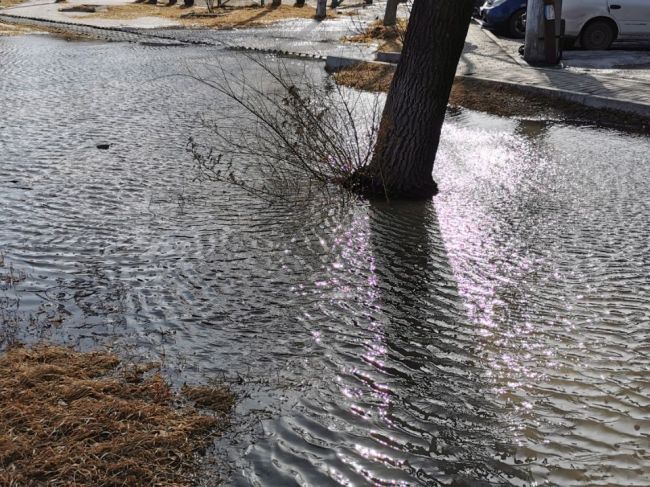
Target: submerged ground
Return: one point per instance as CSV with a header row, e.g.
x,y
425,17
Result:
x,y
496,335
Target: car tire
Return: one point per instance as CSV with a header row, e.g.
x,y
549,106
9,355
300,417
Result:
x,y
598,36
517,24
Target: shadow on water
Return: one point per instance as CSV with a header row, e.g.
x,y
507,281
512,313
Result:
x,y
443,396
403,398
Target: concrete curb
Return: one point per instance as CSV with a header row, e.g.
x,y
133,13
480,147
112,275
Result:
x,y
591,101
143,37
75,27
334,63
389,57
280,52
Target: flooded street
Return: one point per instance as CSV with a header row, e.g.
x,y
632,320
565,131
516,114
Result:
x,y
498,335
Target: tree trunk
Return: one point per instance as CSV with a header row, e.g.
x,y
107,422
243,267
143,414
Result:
x,y
390,15
534,47
415,108
276,3
321,9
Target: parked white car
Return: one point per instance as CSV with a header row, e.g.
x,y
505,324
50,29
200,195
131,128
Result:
x,y
595,23
598,23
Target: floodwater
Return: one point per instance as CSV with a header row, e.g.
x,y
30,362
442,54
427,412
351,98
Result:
x,y
497,335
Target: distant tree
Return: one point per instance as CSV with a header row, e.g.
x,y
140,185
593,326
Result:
x,y
321,9
390,15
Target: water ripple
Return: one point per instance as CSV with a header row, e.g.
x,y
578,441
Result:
x,y
495,336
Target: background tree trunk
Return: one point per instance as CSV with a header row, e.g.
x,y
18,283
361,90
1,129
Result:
x,y
417,101
321,9
390,15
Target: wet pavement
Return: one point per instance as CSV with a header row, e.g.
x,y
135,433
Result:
x,y
497,335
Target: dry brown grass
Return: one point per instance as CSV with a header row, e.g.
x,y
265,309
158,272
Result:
x,y
13,30
366,76
71,418
10,3
390,38
16,30
223,18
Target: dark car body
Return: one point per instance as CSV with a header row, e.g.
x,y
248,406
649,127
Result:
x,y
503,16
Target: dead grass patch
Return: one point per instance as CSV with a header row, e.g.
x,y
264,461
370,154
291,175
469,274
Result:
x,y
223,18
366,76
72,418
10,3
16,30
391,39
13,30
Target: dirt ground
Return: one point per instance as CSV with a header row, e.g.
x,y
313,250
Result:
x,y
223,18
87,419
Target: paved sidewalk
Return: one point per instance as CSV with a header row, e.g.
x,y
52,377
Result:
x,y
483,58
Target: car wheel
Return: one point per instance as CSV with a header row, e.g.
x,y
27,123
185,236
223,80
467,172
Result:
x,y
598,36
517,24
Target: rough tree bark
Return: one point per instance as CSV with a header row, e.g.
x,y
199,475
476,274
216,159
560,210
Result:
x,y
415,108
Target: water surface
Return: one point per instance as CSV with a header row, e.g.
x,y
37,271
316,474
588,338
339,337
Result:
x,y
497,335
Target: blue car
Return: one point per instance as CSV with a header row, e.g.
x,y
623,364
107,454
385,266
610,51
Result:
x,y
504,16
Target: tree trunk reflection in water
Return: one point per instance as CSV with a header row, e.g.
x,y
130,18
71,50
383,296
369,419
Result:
x,y
439,391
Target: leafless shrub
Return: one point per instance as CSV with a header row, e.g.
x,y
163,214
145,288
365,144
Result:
x,y
293,134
